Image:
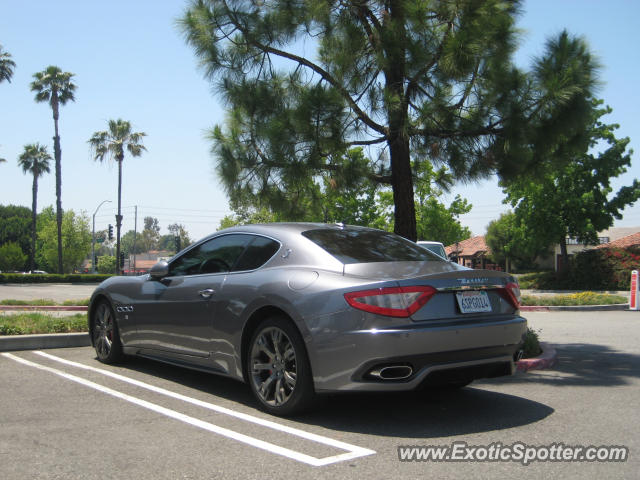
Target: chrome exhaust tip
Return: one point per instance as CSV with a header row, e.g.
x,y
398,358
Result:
x,y
392,372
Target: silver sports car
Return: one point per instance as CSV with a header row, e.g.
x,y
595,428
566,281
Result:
x,y
300,309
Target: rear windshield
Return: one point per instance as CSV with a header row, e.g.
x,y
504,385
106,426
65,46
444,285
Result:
x,y
365,246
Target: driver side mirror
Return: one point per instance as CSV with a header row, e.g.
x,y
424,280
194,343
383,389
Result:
x,y
159,270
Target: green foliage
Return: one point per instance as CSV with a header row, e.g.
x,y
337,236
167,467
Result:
x,y
570,193
150,235
76,239
55,87
531,344
111,144
168,242
34,160
34,323
39,302
426,81
126,243
604,269
106,264
45,302
581,298
596,269
11,257
15,226
6,66
360,201
435,221
51,278
510,238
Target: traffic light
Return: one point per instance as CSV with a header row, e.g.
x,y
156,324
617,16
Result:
x,y
121,260
110,232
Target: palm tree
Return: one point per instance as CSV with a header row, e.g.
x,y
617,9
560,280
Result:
x,y
54,86
111,144
35,160
6,66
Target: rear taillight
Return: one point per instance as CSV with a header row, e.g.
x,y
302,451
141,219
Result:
x,y
511,292
392,301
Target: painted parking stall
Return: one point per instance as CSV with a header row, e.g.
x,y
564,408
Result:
x,y
346,451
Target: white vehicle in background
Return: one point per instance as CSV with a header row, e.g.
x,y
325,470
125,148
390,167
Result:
x,y
435,247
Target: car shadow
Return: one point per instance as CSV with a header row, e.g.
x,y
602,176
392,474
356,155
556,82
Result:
x,y
583,364
426,414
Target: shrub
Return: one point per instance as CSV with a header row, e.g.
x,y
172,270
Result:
x,y
106,264
597,269
11,257
51,278
531,345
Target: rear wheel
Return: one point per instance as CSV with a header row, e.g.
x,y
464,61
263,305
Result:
x,y
278,368
106,339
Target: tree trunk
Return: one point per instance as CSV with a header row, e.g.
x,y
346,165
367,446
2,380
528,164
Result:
x,y
401,175
402,184
34,206
564,255
57,153
119,215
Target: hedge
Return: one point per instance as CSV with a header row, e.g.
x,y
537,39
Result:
x,y
52,278
597,269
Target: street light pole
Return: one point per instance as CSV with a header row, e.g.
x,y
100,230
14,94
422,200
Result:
x,y
93,238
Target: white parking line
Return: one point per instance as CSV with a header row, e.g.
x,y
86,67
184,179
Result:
x,y
353,451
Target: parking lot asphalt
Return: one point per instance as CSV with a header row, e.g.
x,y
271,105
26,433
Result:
x,y
65,415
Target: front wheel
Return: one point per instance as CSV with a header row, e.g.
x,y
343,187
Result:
x,y
278,368
105,336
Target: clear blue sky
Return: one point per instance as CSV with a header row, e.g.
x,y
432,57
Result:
x,y
131,62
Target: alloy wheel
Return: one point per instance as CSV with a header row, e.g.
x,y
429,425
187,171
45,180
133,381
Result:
x,y
273,367
103,331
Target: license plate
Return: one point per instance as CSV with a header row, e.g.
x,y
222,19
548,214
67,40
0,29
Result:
x,y
473,302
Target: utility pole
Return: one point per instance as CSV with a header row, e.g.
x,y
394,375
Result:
x,y
135,232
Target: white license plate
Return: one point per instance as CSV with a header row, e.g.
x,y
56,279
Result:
x,y
473,302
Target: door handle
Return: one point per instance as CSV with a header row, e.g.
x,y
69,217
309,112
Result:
x,y
207,292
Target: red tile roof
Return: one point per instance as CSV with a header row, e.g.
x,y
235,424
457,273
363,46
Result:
x,y
624,242
469,247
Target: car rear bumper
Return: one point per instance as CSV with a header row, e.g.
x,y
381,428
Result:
x,y
418,354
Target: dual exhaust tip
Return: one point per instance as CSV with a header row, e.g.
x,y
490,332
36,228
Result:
x,y
392,372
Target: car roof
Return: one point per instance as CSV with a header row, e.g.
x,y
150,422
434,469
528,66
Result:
x,y
289,227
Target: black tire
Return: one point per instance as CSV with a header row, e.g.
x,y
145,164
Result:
x,y
105,335
278,368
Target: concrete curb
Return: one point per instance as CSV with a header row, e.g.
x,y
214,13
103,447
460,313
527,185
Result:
x,y
38,342
548,358
44,308
574,308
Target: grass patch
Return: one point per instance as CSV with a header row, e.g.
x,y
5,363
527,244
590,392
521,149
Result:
x,y
45,302
84,302
573,299
31,323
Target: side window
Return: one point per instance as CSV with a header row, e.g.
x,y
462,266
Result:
x,y
259,251
214,256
